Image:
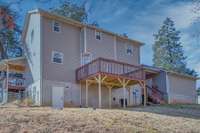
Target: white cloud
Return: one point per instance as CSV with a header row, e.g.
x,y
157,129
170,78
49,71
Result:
x,y
182,14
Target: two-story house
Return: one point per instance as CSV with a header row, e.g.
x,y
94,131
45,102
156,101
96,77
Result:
x,y
76,64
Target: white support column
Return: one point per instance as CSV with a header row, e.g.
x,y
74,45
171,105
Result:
x,y
129,96
110,97
7,82
124,83
85,39
145,93
86,94
80,95
124,97
99,88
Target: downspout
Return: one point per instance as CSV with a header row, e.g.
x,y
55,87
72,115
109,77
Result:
x,y
85,40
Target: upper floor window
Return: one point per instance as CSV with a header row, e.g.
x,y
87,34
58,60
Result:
x,y
129,50
57,57
56,26
98,35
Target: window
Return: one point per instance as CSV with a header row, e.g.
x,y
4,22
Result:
x,y
57,57
56,27
98,35
129,50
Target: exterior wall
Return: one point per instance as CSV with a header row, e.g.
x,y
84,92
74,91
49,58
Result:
x,y
117,94
107,48
71,92
93,96
123,57
181,89
33,52
33,46
135,96
35,91
160,81
67,42
100,48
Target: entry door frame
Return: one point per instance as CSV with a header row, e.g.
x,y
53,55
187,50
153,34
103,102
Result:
x,y
58,96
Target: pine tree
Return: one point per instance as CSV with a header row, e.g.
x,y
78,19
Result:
x,y
9,33
168,51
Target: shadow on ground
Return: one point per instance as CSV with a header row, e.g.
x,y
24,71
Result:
x,y
186,111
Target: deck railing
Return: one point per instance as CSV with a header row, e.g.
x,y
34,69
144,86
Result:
x,y
111,67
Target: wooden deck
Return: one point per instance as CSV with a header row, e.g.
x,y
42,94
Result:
x,y
16,84
111,68
112,74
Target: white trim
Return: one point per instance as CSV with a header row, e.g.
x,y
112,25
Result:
x,y
59,26
41,62
85,39
115,47
52,56
167,87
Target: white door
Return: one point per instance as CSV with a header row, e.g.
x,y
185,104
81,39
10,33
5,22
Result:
x,y
58,97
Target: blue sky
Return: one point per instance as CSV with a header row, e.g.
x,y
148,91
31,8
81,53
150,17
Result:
x,y
140,19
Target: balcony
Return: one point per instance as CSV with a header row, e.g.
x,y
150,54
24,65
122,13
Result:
x,y
110,68
16,84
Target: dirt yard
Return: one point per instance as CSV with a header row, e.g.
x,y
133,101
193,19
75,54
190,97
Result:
x,y
177,118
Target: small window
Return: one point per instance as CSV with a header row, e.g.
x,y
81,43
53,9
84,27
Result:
x,y
129,50
57,57
56,27
98,35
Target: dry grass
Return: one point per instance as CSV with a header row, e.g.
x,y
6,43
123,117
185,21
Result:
x,y
148,119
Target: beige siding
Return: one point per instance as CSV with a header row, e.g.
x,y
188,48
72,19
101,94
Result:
x,y
160,82
93,96
71,92
100,48
122,56
67,42
70,42
181,89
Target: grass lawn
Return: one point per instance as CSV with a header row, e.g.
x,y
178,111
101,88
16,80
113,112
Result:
x,y
168,118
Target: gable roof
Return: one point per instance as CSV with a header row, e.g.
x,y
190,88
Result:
x,y
72,22
157,69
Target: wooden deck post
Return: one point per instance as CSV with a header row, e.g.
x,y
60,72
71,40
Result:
x,y
124,83
143,85
86,94
99,88
99,80
80,95
124,97
110,97
129,96
145,93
